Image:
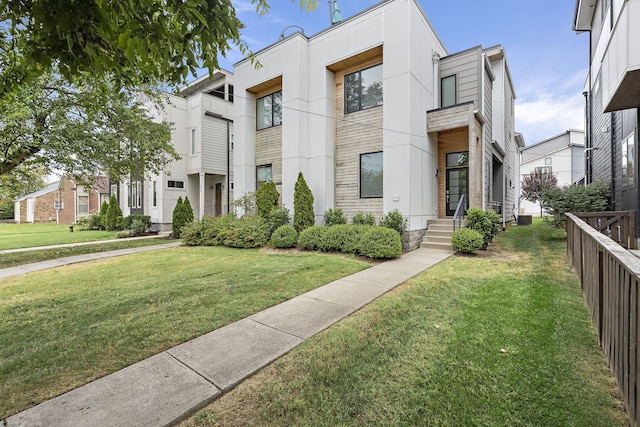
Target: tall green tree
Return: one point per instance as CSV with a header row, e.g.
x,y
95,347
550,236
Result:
x,y
81,130
303,215
129,42
22,182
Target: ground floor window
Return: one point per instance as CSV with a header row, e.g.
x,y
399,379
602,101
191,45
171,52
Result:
x,y
135,194
628,161
175,184
83,204
264,173
371,175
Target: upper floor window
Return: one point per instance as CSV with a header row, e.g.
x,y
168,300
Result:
x,y
448,91
547,161
193,141
628,162
363,89
269,111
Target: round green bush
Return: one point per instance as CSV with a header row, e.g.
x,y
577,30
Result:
x,y
334,217
394,220
343,238
487,223
467,240
278,217
380,242
311,237
285,236
249,231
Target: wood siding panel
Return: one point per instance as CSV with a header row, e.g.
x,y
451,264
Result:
x,y
356,133
269,151
465,66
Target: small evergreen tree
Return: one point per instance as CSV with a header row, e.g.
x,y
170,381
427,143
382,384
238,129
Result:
x,y
114,214
177,218
188,210
303,215
266,199
102,216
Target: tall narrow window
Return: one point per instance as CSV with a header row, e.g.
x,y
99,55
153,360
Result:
x,y
269,111
448,91
263,174
83,204
193,141
155,193
363,89
628,162
371,175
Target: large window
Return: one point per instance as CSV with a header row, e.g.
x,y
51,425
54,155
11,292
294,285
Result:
x,y
269,111
363,89
371,175
628,162
263,174
448,91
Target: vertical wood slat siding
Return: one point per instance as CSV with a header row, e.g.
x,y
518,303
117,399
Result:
x,y
609,277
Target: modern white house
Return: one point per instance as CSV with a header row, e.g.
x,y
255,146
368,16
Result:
x,y
378,116
561,155
202,135
612,93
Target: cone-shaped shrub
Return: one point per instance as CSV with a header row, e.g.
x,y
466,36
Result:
x,y
266,199
114,214
303,215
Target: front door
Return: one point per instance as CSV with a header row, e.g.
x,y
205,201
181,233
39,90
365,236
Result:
x,y
218,199
457,186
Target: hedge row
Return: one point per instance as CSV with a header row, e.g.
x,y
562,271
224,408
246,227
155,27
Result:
x,y
253,231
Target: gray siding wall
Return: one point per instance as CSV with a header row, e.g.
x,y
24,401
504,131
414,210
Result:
x,y
466,66
214,145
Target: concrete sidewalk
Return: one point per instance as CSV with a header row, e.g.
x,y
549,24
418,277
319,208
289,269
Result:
x,y
169,386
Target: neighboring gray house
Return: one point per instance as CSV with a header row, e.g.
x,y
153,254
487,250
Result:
x,y
613,97
562,155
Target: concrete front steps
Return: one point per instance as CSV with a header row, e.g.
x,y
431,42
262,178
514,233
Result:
x,y
438,235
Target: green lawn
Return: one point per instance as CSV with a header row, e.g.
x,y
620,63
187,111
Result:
x,y
499,339
14,236
19,258
64,327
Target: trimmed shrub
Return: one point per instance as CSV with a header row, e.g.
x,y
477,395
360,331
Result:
x,y
213,230
284,236
343,238
361,218
250,231
311,237
90,222
303,215
487,223
575,198
137,227
266,199
192,234
467,240
334,217
394,220
380,242
114,214
128,220
277,218
182,215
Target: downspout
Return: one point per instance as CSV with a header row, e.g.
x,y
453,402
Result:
x,y
613,162
228,165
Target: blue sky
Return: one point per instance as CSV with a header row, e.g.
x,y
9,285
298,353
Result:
x,y
548,60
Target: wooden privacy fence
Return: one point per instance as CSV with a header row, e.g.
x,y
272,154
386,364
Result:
x,y
619,226
610,276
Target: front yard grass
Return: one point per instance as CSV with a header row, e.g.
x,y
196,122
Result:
x,y
64,327
15,236
14,259
498,339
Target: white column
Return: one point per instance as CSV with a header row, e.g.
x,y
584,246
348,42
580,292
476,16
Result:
x,y
201,194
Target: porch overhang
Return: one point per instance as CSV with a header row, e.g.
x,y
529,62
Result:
x,y
447,118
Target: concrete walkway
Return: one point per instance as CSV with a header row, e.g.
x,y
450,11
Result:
x,y
169,386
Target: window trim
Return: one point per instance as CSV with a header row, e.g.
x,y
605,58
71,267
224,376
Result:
x,y
359,73
360,176
177,184
258,128
455,90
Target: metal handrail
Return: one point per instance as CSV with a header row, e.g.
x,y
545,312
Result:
x,y
457,214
